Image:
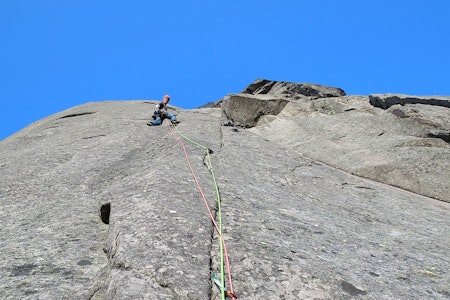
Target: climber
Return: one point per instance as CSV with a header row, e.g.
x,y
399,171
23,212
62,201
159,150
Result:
x,y
161,113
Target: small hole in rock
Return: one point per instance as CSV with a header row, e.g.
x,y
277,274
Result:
x,y
105,210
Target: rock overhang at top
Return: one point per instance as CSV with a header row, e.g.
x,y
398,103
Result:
x,y
264,98
293,90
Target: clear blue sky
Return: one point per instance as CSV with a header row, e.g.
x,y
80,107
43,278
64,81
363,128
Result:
x,y
56,54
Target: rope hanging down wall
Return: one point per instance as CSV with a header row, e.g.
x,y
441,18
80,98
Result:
x,y
217,225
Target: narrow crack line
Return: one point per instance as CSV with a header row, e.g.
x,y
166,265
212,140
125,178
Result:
x,y
215,208
221,136
114,248
211,256
300,166
205,162
369,180
93,292
94,136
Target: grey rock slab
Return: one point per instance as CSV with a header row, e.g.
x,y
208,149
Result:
x,y
298,229
404,146
246,110
423,121
58,172
294,228
160,231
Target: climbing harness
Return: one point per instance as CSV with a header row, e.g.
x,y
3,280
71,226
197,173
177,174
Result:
x,y
218,227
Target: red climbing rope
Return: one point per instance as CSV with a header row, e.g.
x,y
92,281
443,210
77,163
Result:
x,y
180,141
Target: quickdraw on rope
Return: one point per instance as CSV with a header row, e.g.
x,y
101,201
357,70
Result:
x,y
218,227
222,288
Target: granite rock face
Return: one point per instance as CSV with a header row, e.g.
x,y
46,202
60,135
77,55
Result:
x,y
406,146
247,110
97,205
395,139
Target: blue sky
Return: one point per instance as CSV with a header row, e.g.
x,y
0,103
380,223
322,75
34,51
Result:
x,y
56,54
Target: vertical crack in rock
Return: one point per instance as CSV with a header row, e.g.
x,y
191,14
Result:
x,y
100,284
213,250
111,251
221,136
214,210
211,260
94,292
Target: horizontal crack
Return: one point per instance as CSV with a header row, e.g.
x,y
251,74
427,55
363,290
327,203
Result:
x,y
78,114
